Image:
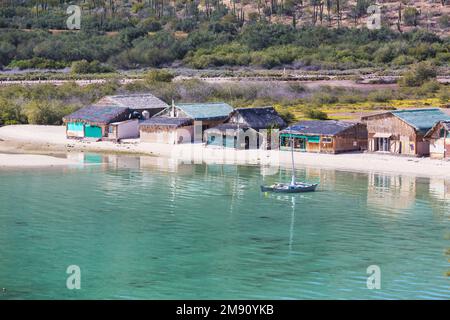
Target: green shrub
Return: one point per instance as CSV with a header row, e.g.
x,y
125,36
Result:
x,y
418,75
444,96
316,114
10,112
45,112
403,60
85,67
431,86
444,21
287,116
320,98
380,95
411,16
37,63
158,76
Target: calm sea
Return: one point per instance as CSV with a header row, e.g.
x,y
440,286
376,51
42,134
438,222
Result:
x,y
149,228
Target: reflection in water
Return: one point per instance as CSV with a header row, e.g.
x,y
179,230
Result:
x,y
291,229
440,189
147,227
393,191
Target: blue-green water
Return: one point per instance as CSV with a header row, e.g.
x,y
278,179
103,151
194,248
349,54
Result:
x,y
166,231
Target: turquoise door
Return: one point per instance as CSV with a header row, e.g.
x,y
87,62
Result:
x,y
75,126
92,131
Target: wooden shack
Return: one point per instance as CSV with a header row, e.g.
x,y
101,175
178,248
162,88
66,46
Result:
x,y
167,130
324,136
93,121
439,139
402,131
247,128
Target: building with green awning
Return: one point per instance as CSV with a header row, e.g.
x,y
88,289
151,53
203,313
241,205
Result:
x,y
325,136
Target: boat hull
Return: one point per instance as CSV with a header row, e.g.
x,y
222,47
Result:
x,y
286,188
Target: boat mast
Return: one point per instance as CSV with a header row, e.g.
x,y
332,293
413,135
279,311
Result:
x,y
292,157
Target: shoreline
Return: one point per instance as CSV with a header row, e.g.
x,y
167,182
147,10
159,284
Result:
x,y
9,160
40,146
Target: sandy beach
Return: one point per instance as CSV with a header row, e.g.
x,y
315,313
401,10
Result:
x,y
32,160
32,145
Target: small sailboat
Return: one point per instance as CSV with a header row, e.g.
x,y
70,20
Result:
x,y
294,186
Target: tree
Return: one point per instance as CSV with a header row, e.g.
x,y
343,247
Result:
x,y
411,16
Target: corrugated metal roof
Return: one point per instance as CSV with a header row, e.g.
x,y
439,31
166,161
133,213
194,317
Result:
x,y
135,101
421,119
167,122
261,117
97,114
319,127
206,111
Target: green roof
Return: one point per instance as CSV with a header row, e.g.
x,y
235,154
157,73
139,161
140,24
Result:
x,y
206,111
421,119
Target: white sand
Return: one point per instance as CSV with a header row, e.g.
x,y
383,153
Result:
x,y
39,139
32,160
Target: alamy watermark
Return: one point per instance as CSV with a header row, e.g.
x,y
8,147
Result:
x,y
73,22
374,278
374,18
74,279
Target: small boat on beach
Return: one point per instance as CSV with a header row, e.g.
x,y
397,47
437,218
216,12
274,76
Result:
x,y
294,186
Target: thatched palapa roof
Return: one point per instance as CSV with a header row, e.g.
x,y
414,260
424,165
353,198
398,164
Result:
x,y
134,101
98,114
261,117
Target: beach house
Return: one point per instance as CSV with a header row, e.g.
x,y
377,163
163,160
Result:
x,y
95,122
145,105
167,130
402,131
173,124
324,136
247,128
439,138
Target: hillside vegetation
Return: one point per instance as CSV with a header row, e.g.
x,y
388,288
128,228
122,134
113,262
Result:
x,y
308,35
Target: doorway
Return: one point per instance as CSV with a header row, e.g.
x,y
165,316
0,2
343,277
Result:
x,y
300,144
383,144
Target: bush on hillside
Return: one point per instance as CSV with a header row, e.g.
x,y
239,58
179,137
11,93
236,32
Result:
x,y
159,76
418,75
316,114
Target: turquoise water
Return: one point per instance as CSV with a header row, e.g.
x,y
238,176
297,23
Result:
x,y
139,228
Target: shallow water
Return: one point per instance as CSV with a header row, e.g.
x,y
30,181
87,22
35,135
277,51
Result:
x,y
148,228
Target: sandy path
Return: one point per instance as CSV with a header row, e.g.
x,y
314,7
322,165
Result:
x,y
50,139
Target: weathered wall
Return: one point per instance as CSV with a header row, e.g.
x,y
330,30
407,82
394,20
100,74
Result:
x,y
439,147
128,129
166,134
403,139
